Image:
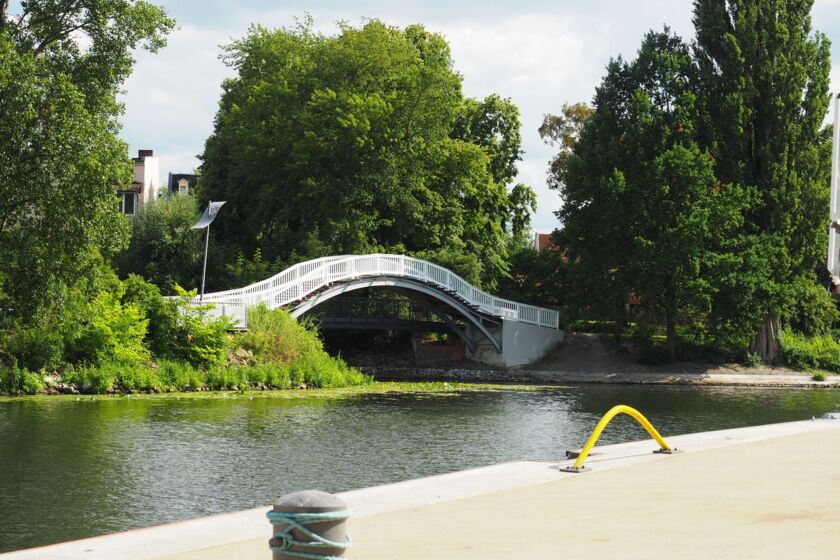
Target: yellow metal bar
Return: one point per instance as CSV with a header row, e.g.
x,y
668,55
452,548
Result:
x,y
612,413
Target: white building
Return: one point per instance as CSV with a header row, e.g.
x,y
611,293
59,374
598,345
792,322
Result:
x,y
144,187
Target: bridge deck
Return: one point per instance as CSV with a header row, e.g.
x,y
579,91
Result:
x,y
303,280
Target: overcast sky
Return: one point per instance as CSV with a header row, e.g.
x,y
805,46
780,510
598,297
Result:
x,y
540,53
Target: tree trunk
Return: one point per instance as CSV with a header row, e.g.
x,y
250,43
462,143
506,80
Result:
x,y
671,337
620,320
765,343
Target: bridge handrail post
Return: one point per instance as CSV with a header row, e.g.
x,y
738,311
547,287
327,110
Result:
x,y
303,278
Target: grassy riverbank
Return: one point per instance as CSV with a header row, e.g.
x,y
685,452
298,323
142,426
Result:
x,y
368,388
167,377
174,348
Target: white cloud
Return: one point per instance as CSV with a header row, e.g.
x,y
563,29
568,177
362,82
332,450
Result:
x,y
532,172
172,97
542,61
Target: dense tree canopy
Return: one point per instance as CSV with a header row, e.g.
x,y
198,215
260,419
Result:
x,y
698,184
164,249
642,207
61,67
362,142
563,132
764,76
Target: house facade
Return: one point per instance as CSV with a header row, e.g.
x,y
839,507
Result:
x,y
543,241
144,187
182,183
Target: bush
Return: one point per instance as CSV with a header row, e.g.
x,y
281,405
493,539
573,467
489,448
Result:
x,y
101,346
107,377
278,340
180,375
752,360
277,337
91,378
85,328
15,380
162,314
164,248
276,376
803,353
813,312
107,332
653,354
198,337
37,347
177,330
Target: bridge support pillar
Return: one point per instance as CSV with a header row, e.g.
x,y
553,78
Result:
x,y
522,344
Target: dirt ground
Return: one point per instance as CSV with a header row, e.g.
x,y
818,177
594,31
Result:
x,y
598,353
594,358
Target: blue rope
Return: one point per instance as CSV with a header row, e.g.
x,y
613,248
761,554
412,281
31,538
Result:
x,y
298,521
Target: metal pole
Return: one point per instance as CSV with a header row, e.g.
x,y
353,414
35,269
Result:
x,y
835,146
204,268
833,235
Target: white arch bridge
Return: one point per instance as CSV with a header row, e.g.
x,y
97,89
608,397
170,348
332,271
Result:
x,y
494,330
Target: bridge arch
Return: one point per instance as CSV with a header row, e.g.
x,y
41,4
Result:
x,y
518,333
469,314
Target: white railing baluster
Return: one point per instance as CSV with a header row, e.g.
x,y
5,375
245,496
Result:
x,y
302,279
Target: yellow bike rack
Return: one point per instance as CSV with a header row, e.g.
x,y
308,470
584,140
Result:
x,y
612,413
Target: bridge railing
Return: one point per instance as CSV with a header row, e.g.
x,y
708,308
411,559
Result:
x,y
303,279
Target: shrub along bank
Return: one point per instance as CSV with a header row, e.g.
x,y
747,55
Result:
x,y
809,353
129,338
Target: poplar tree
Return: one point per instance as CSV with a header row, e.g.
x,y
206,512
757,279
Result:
x,y
764,78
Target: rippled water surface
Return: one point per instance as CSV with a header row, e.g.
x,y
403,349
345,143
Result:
x,y
70,469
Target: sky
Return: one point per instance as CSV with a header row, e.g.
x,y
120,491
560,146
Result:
x,y
539,53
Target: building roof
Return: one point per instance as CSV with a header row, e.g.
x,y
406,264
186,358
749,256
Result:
x,y
174,178
142,155
543,241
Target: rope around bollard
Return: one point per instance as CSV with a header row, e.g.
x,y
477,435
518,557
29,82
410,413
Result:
x,y
298,521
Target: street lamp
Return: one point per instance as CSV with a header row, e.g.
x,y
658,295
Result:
x,y
205,221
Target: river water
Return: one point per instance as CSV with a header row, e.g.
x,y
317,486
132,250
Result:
x,y
75,468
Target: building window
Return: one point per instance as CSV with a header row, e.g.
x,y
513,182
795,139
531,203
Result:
x,y
183,186
128,203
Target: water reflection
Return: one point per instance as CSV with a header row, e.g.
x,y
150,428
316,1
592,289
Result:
x,y
70,468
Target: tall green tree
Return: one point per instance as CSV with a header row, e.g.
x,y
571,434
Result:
x,y
563,132
764,76
61,66
590,172
362,142
164,249
643,209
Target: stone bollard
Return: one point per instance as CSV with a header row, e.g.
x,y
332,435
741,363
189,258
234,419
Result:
x,y
309,524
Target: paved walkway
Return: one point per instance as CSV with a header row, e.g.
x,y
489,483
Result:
x,y
748,378
594,358
762,492
777,499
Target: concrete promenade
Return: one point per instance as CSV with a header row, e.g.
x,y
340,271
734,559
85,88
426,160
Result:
x,y
762,492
